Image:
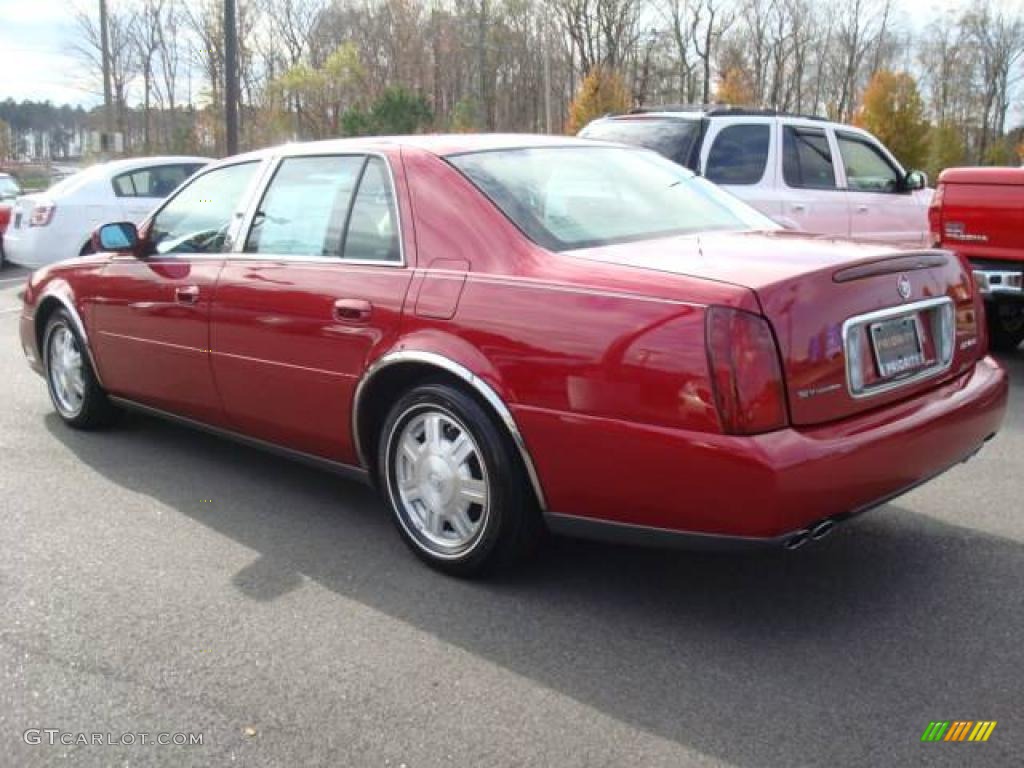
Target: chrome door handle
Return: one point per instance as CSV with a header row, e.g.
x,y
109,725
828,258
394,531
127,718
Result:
x,y
186,294
352,310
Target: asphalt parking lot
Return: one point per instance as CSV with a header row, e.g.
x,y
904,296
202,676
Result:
x,y
157,580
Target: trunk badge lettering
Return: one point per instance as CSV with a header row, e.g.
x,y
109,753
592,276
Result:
x,y
904,287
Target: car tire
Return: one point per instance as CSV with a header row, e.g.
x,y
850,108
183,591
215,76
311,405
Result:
x,y
457,489
1005,326
76,394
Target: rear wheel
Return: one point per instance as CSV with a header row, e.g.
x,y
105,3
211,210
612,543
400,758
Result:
x,y
455,486
76,395
1005,326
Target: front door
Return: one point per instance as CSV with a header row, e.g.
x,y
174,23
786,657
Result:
x,y
320,282
881,208
152,317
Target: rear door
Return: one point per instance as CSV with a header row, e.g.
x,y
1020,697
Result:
x,y
152,314
318,283
881,208
736,157
812,199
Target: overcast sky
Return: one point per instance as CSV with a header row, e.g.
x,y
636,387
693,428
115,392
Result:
x,y
36,37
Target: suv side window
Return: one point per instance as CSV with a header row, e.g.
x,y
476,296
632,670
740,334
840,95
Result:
x,y
739,154
867,169
158,181
198,218
304,209
807,159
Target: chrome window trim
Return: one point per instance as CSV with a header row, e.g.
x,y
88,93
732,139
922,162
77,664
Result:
x,y
466,375
887,314
238,252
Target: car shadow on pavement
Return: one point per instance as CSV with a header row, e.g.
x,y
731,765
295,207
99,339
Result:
x,y
840,653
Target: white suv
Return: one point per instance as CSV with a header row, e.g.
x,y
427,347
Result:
x,y
807,173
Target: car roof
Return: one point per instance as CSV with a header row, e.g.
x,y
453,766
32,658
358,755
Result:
x,y
441,144
132,163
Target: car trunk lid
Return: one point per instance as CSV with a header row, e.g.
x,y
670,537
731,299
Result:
x,y
905,320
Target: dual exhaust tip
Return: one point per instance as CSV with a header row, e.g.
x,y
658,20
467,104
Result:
x,y
816,532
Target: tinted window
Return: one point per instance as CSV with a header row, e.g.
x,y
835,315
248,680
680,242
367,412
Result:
x,y
739,154
576,197
867,169
158,181
303,211
197,219
672,138
373,224
807,159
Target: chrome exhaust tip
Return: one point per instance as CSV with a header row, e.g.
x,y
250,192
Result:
x,y
822,529
797,540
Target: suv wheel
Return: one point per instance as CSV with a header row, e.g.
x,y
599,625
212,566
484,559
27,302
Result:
x,y
455,486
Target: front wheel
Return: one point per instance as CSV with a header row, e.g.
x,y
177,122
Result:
x,y
455,486
1005,326
77,396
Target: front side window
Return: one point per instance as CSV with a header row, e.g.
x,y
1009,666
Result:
x,y
739,154
807,159
577,197
867,169
9,187
158,181
198,218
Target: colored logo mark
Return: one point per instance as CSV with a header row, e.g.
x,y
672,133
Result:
x,y
958,730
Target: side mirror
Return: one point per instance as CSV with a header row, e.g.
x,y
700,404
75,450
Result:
x,y
915,180
121,237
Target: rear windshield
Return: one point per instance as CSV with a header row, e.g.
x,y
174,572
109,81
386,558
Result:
x,y
672,138
579,197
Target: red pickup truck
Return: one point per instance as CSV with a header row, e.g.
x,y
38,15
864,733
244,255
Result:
x,y
979,212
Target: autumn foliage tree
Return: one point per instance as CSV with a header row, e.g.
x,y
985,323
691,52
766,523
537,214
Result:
x,y
602,92
735,88
892,109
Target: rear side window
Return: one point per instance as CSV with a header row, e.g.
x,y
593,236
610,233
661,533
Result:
x,y
867,169
739,154
807,159
673,138
158,181
372,232
338,206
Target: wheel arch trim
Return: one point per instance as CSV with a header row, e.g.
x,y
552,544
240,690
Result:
x,y
61,294
481,387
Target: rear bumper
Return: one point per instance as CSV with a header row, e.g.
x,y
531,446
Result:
x,y
764,487
998,281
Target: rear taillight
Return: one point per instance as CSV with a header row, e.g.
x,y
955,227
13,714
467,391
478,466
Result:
x,y
935,215
42,215
745,372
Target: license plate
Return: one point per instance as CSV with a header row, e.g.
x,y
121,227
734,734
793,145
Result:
x,y
897,345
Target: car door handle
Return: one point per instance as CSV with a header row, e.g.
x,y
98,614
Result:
x,y
352,310
799,207
186,294
862,209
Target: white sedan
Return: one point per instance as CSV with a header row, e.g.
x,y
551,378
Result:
x,y
57,224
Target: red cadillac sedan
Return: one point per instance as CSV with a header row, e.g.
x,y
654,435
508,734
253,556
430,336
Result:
x,y
505,333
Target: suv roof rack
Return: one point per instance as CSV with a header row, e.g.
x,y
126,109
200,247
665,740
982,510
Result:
x,y
713,110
